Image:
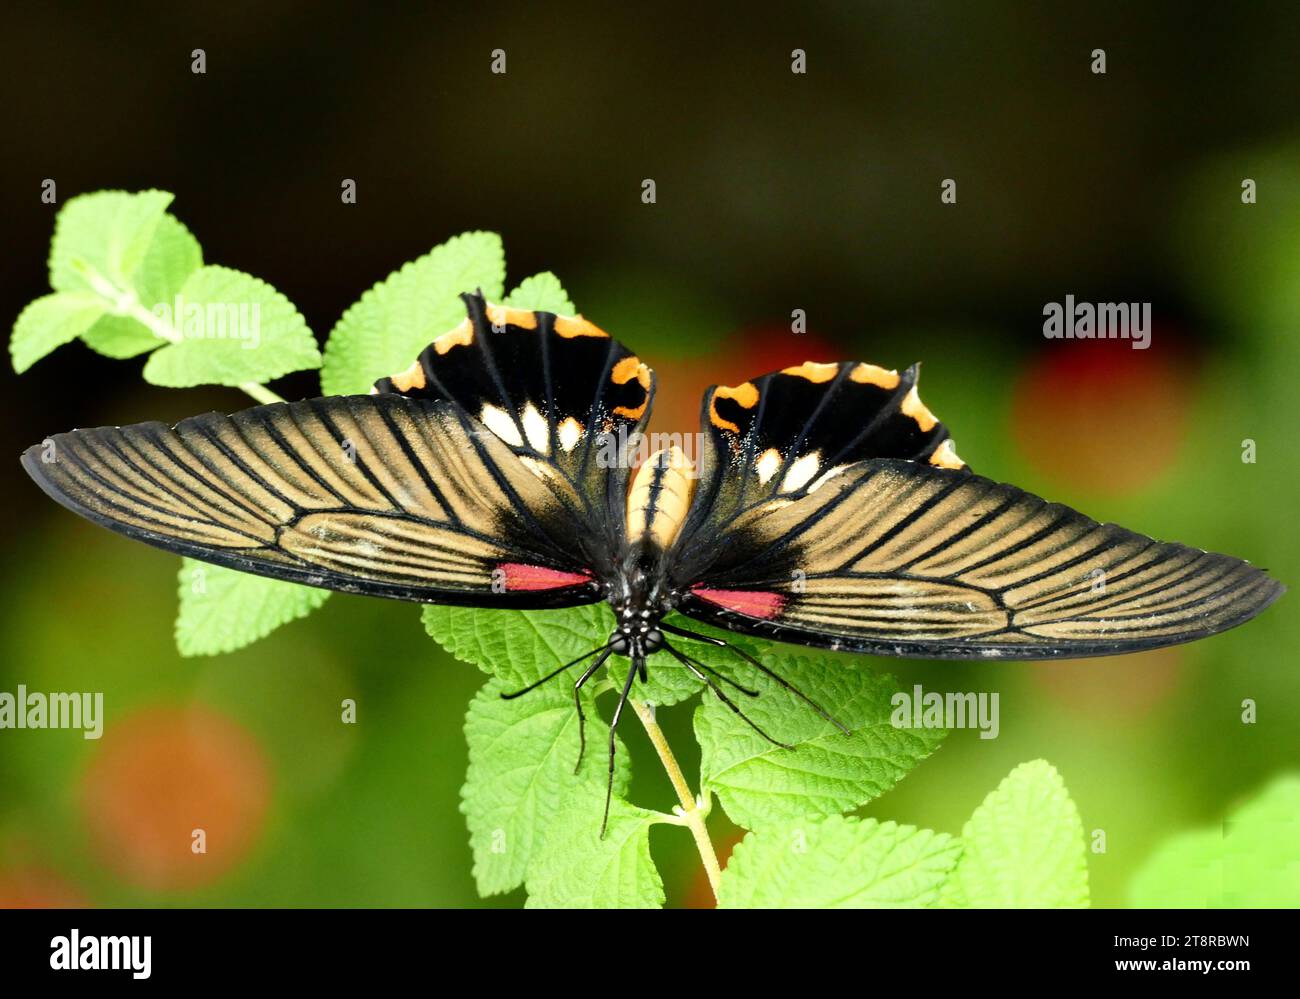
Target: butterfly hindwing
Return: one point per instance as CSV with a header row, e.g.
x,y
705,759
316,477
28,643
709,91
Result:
x,y
781,436
557,390
908,559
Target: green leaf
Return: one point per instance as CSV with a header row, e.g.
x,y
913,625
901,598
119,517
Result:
x,y
390,325
1023,847
236,328
838,863
107,233
520,647
521,776
120,337
222,610
1251,861
828,772
541,293
173,255
576,869
50,322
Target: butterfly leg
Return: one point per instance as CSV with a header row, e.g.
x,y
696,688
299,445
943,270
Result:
x,y
695,666
577,703
557,671
759,666
638,664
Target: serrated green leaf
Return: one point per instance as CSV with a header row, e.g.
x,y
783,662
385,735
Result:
x,y
520,647
222,610
236,329
172,256
1023,846
522,755
838,863
541,293
576,869
387,328
49,323
1251,861
107,232
827,772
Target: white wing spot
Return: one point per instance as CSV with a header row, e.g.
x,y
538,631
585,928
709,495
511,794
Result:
x,y
499,422
536,429
801,472
569,432
767,464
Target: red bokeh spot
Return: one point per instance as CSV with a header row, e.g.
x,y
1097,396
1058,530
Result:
x,y
765,349
699,894
1101,417
164,773
741,356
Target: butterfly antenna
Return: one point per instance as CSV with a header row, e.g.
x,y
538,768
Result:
x,y
637,665
556,672
577,703
697,668
720,643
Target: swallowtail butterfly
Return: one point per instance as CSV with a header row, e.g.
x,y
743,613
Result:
x,y
829,509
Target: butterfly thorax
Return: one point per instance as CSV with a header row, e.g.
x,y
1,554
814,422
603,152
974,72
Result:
x,y
639,601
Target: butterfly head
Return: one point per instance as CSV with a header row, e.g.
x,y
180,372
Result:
x,y
637,633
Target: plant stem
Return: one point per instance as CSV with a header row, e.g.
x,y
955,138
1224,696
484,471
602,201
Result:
x,y
125,303
690,809
260,392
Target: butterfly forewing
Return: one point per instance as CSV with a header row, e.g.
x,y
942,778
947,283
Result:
x,y
397,497
489,473
905,558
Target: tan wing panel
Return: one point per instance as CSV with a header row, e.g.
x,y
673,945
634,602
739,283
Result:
x,y
379,494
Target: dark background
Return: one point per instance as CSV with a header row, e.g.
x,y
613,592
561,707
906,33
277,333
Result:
x,y
775,191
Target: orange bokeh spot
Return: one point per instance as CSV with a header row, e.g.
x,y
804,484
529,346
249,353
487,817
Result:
x,y
164,773
35,888
1115,687
1101,417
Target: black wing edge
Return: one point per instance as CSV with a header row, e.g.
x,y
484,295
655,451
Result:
x,y
720,617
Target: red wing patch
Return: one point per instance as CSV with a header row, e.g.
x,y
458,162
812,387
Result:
x,y
521,576
751,603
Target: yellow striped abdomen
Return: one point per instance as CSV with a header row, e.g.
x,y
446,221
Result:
x,y
659,497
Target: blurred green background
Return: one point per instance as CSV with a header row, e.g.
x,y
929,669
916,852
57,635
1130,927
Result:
x,y
776,192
